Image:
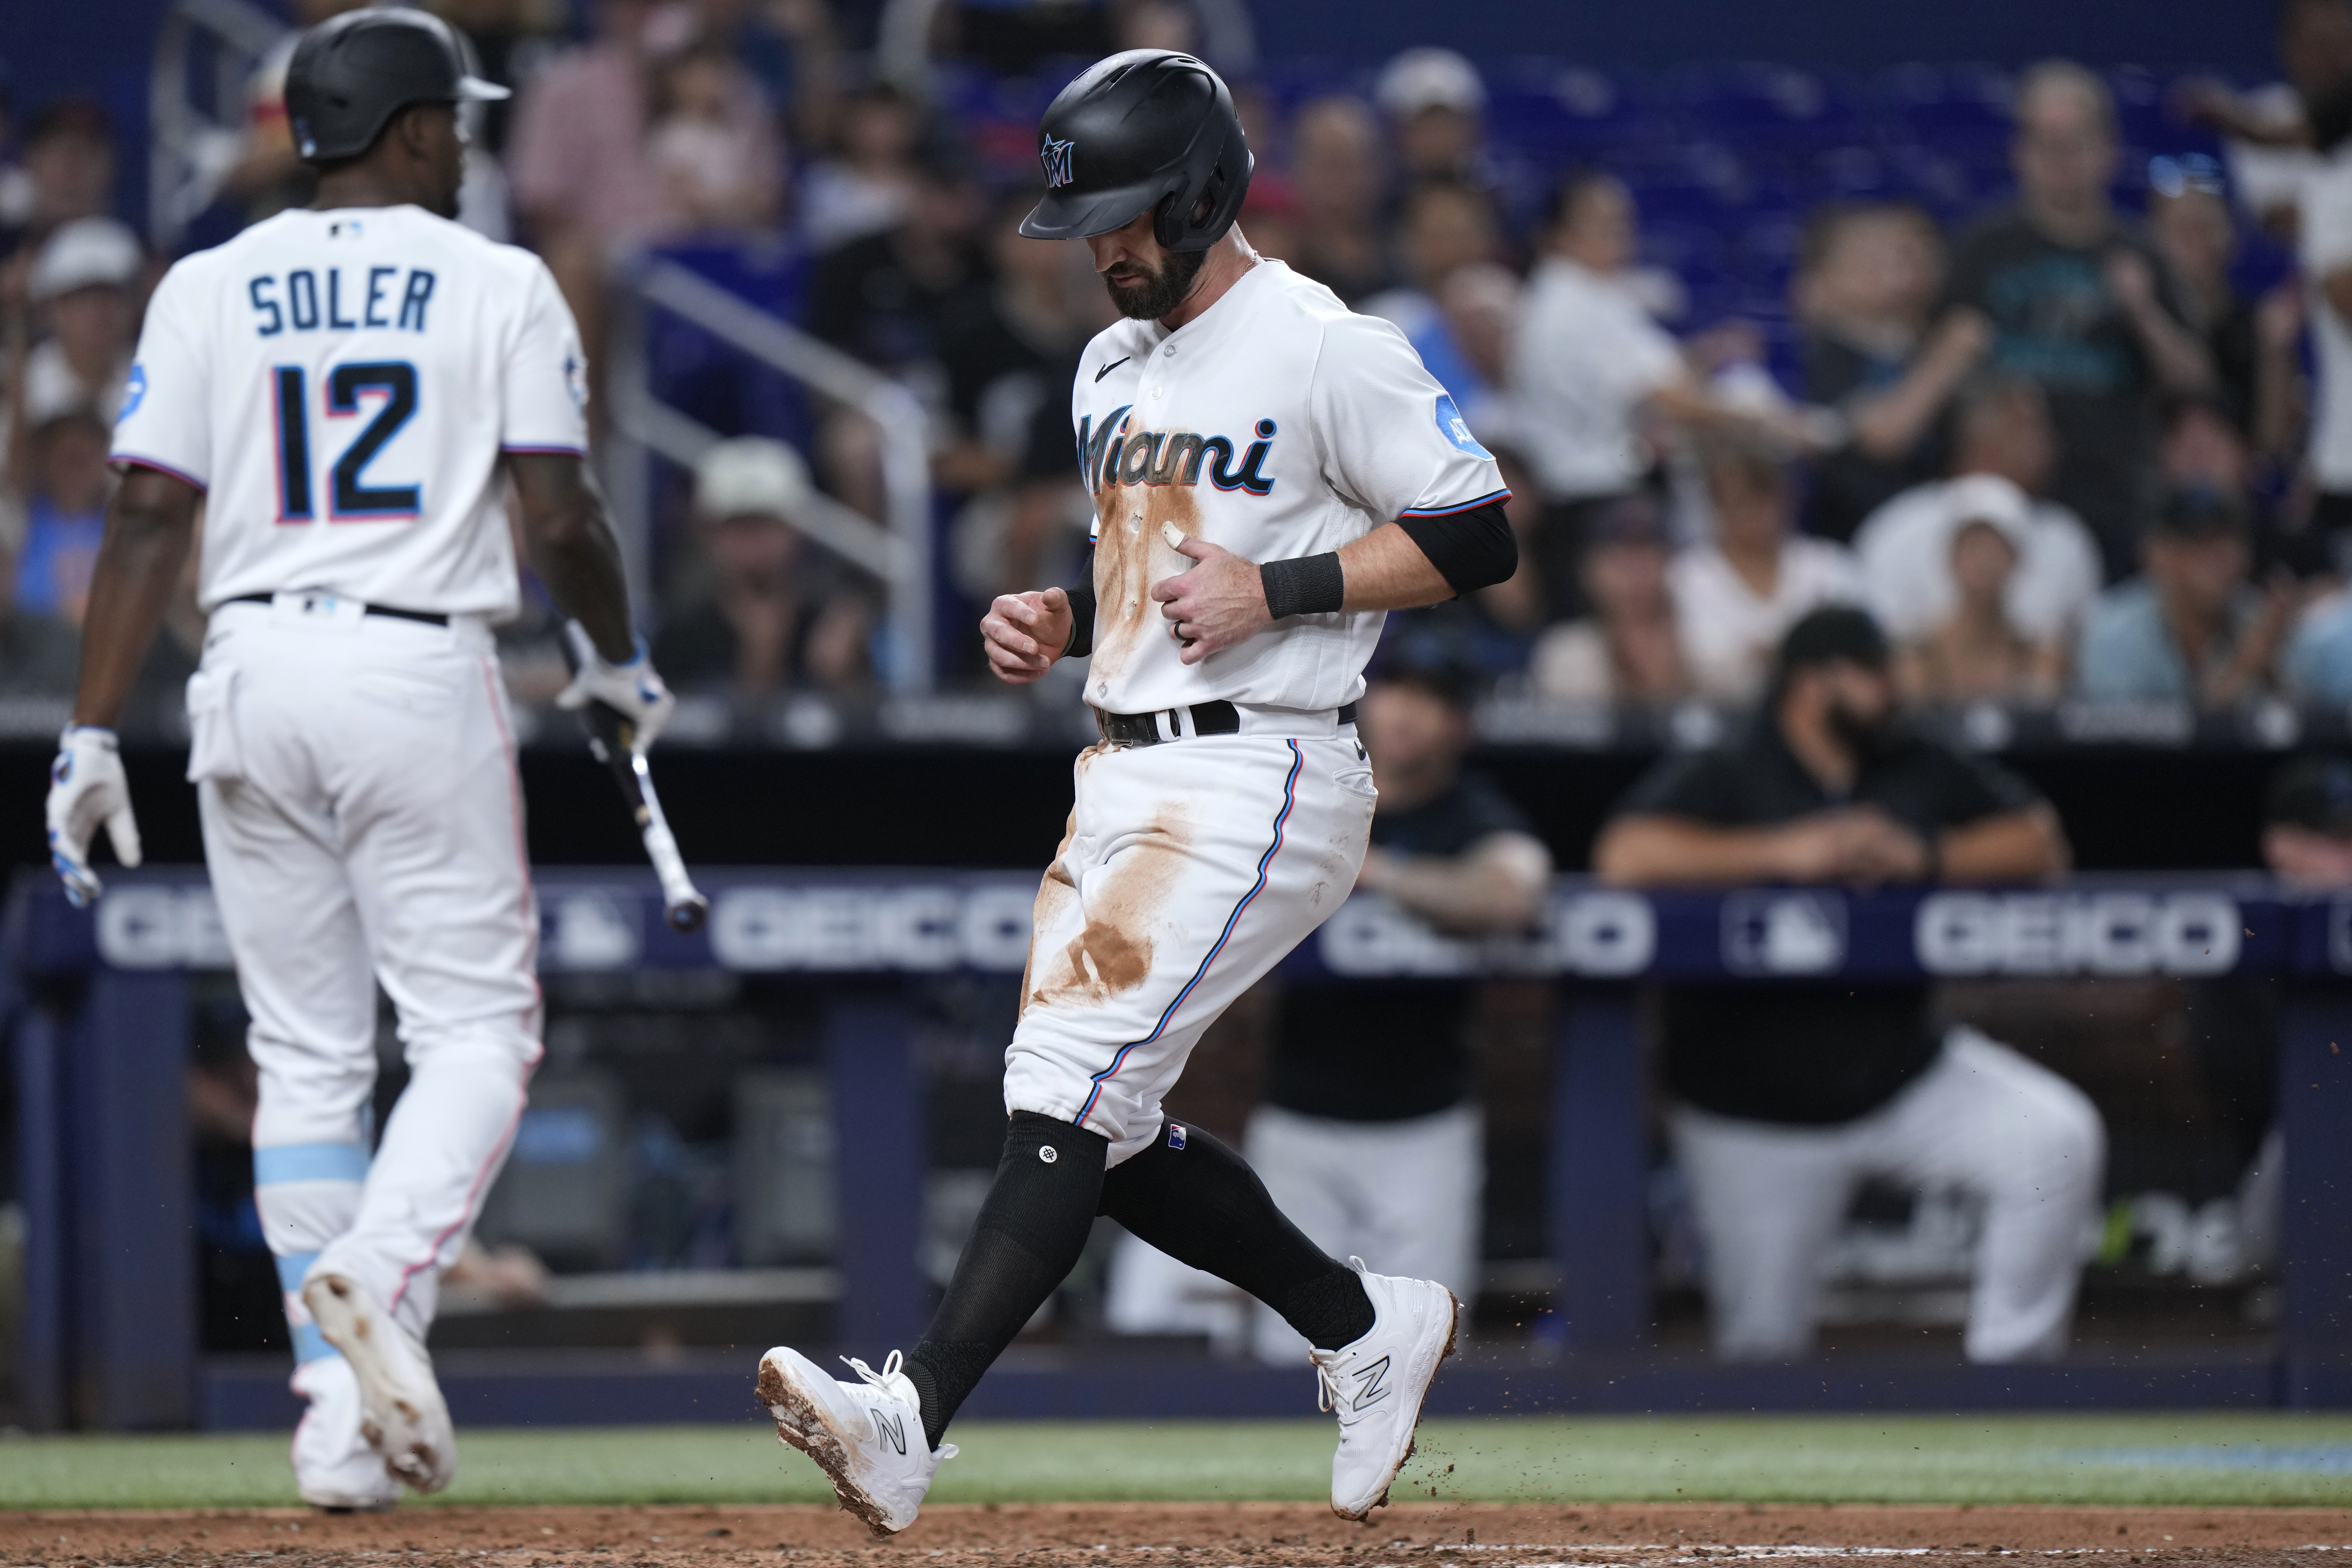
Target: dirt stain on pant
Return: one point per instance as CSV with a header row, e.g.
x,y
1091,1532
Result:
x,y
1113,952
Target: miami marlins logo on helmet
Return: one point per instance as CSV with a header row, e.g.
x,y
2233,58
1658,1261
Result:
x,y
1056,156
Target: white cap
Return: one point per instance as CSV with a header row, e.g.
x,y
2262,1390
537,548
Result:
x,y
1989,498
751,476
1429,78
86,251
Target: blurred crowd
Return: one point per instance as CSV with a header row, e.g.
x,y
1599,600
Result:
x,y
2069,436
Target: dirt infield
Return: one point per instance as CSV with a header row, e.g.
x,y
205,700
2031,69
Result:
x,y
1153,1535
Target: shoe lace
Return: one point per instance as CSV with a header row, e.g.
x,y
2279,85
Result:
x,y
880,1380
1327,1379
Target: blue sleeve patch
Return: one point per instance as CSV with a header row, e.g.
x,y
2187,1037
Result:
x,y
1454,428
135,392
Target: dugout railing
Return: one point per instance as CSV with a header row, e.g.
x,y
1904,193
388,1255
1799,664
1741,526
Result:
x,y
100,1003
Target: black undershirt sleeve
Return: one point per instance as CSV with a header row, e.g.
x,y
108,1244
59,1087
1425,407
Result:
x,y
1082,610
1470,550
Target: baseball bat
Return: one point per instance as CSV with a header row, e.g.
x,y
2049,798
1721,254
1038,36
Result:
x,y
611,736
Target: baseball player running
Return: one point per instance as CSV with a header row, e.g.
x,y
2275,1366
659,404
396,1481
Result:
x,y
346,392
1270,473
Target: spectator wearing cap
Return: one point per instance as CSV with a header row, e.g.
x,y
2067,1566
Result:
x,y
2083,304
772,621
1629,648
1738,592
1590,367
85,284
1337,171
1436,107
2003,452
1370,1135
2307,823
2257,379
1786,1099
1864,293
2190,627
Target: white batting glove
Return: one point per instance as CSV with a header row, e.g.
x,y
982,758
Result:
x,y
87,787
632,689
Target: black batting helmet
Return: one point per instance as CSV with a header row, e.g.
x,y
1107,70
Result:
x,y
1146,130
351,74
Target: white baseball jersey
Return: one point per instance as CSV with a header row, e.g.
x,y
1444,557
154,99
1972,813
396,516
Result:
x,y
341,384
1277,424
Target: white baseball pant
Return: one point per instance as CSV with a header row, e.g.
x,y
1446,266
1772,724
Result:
x,y
1769,1196
1403,1196
1190,869
362,824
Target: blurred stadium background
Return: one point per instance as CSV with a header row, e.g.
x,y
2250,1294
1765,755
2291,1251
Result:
x,y
788,219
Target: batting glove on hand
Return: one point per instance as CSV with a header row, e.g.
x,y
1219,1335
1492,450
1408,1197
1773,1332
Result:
x,y
86,788
632,689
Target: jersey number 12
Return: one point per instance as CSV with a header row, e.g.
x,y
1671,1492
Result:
x,y
350,498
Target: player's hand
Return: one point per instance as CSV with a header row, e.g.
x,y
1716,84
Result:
x,y
1219,604
1026,633
87,788
631,689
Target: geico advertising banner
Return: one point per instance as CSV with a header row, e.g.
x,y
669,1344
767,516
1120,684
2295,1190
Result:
x,y
915,922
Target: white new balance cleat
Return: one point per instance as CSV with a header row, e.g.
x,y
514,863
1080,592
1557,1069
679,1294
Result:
x,y
402,1414
1376,1384
867,1437
334,1467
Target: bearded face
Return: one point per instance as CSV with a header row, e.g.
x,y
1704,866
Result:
x,y
1145,294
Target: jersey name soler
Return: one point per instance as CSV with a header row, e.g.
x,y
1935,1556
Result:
x,y
344,386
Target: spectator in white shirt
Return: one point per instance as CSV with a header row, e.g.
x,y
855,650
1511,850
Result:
x,y
1735,594
1590,367
2004,453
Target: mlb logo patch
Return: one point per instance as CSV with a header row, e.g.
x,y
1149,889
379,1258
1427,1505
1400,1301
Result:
x,y
1175,1135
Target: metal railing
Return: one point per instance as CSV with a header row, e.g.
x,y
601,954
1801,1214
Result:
x,y
900,554
192,147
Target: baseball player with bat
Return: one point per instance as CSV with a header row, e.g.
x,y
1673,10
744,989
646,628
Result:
x,y
1271,473
346,392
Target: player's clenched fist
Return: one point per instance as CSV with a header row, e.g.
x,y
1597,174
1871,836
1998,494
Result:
x,y
1219,604
1026,633
87,788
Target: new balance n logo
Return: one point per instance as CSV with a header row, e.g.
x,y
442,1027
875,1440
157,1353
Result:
x,y
892,1429
1369,1391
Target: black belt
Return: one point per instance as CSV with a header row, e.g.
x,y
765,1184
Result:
x,y
427,617
1201,719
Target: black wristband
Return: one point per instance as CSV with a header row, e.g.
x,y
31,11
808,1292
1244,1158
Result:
x,y
1304,585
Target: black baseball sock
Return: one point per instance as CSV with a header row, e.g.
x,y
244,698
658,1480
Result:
x,y
1200,1204
1031,1229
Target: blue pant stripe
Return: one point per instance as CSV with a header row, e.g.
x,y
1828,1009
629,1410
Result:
x,y
310,1162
